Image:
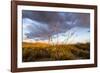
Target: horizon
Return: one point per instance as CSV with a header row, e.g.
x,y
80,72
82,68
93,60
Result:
x,y
62,27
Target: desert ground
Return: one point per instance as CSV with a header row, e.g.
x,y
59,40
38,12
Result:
x,y
32,52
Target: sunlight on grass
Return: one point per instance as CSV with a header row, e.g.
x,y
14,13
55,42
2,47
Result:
x,y
46,52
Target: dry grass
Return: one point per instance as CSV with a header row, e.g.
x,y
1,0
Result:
x,y
47,52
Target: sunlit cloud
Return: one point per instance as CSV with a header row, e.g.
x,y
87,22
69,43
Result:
x,y
39,25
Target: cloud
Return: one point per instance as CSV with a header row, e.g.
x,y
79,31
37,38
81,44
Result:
x,y
33,28
79,35
43,24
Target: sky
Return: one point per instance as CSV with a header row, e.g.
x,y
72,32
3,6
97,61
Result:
x,y
63,26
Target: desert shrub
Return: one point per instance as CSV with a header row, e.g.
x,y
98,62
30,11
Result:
x,y
55,52
61,53
41,53
33,54
27,54
83,46
84,54
79,53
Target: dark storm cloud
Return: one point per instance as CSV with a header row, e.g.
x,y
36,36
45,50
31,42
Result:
x,y
42,16
44,22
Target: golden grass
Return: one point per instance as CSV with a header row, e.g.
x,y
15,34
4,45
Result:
x,y
46,52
